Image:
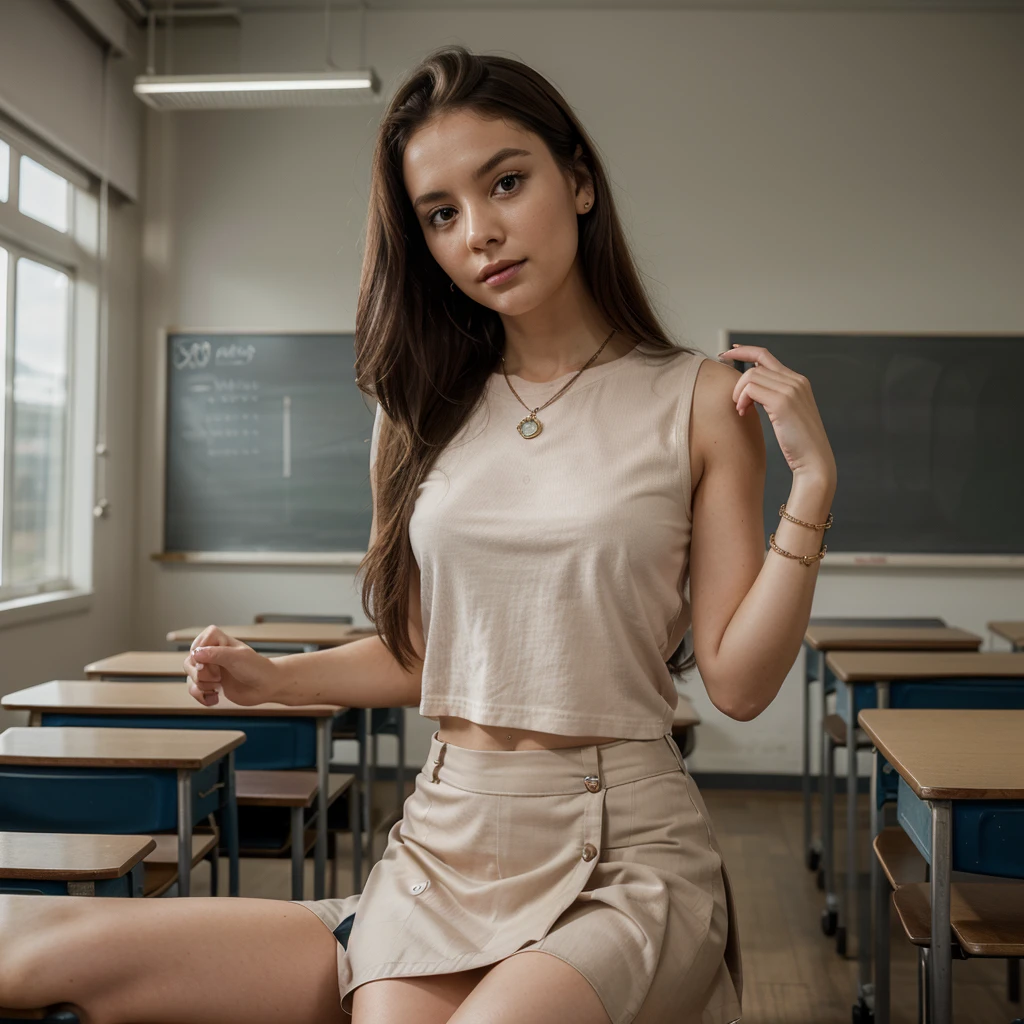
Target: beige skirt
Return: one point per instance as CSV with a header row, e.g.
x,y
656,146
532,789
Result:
x,y
602,855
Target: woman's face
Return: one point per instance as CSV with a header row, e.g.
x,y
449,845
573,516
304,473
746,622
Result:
x,y
485,191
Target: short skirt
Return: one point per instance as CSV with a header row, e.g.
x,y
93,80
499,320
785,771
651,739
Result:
x,y
602,855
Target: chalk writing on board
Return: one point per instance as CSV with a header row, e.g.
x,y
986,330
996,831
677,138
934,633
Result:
x,y
191,355
235,354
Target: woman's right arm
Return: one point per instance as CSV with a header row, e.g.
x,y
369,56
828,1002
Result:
x,y
359,674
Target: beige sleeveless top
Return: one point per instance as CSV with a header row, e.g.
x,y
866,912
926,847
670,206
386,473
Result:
x,y
553,568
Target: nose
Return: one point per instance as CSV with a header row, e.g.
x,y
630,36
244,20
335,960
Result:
x,y
482,227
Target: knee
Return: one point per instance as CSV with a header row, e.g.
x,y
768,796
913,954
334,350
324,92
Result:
x,y
25,923
13,947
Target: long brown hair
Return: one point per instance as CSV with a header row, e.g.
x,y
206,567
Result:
x,y
425,352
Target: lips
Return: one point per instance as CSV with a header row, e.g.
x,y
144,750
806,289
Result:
x,y
501,271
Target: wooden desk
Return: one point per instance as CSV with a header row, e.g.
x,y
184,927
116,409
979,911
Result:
x,y
814,656
172,700
138,666
945,757
290,637
878,670
822,636
183,751
72,864
280,635
1012,631
890,638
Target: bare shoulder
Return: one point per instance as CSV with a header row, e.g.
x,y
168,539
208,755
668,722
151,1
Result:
x,y
717,431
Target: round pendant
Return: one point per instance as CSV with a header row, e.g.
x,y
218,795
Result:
x,y
529,426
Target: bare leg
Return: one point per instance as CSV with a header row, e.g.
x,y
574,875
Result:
x,y
200,960
427,1000
532,986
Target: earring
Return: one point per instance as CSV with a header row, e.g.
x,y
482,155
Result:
x,y
586,204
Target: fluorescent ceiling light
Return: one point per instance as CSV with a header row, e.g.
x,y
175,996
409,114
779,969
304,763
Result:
x,y
257,91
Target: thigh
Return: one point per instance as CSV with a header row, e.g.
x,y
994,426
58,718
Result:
x,y
197,960
430,999
532,986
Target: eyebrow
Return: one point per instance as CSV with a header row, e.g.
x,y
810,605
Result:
x,y
489,165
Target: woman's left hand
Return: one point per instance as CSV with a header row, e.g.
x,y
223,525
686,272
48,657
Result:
x,y
787,399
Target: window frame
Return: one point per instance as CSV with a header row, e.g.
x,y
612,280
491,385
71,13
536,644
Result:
x,y
75,253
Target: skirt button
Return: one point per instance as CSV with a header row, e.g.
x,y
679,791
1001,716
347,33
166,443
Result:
x,y
589,851
593,783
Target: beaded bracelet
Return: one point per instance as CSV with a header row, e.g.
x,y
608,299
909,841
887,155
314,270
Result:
x,y
806,559
814,526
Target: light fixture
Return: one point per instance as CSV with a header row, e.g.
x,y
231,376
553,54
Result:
x,y
255,91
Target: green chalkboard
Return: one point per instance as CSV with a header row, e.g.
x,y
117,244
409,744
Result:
x,y
267,442
928,436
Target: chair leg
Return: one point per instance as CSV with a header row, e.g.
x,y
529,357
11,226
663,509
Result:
x,y
374,761
400,766
332,853
924,1012
1013,980
830,915
298,853
357,835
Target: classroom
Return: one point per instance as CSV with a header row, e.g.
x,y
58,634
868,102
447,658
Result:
x,y
327,697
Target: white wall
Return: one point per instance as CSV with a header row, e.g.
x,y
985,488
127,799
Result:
x,y
775,171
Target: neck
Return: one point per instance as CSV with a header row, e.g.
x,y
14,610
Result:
x,y
560,336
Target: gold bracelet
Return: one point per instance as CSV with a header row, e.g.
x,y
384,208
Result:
x,y
814,526
806,559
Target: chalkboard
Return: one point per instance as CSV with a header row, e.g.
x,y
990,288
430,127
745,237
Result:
x,y
928,436
266,444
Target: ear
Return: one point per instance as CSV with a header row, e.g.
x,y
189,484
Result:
x,y
584,183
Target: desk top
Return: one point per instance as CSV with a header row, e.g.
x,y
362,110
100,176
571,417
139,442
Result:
x,y
87,747
906,666
159,664
952,755
70,857
1012,631
893,638
157,698
323,634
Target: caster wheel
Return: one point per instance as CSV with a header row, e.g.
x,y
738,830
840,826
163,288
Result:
x,y
862,1014
812,859
829,918
821,879
841,941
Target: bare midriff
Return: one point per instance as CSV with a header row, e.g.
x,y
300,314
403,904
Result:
x,y
460,732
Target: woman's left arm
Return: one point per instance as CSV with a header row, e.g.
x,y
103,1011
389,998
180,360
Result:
x,y
750,609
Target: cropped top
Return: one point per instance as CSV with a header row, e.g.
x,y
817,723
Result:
x,y
553,569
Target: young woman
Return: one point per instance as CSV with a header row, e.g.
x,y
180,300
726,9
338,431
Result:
x,y
548,471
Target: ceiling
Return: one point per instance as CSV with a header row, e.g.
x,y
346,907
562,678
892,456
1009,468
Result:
x,y
500,5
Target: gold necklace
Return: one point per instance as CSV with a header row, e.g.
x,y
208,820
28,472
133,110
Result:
x,y
530,426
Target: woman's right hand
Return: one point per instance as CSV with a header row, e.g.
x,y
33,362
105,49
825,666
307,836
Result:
x,y
220,663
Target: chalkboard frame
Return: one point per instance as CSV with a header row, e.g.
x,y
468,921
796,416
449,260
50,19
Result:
x,y
882,559
289,559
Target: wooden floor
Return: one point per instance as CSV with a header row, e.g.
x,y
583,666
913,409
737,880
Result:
x,y
792,974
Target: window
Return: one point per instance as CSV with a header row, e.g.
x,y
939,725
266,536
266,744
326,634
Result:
x,y
38,440
5,170
43,195
41,268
